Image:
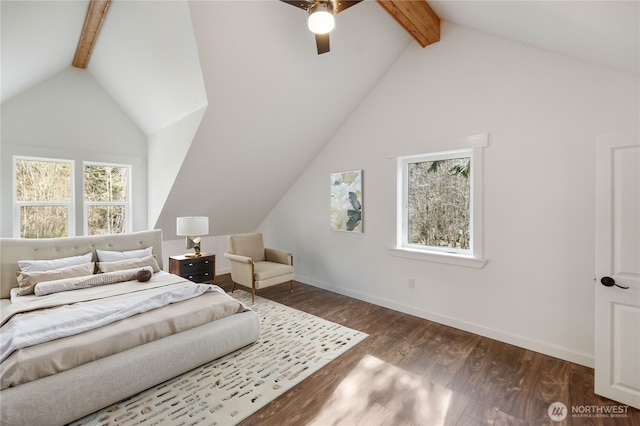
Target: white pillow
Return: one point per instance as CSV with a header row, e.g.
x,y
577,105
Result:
x,y
49,264
66,284
113,256
124,264
27,281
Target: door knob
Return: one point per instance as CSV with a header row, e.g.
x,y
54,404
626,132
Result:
x,y
610,282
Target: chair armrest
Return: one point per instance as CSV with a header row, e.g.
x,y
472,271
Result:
x,y
237,258
242,269
278,256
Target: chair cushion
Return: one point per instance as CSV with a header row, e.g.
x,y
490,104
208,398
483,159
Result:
x,y
250,245
266,270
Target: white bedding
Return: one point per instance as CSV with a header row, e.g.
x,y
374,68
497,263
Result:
x,y
76,283
42,325
102,366
17,299
121,289
50,358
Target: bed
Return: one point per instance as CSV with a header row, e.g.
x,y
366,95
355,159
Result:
x,y
67,390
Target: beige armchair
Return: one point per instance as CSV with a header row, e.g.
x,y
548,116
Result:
x,y
253,265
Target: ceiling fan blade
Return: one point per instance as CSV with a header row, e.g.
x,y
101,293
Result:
x,y
342,5
322,42
304,5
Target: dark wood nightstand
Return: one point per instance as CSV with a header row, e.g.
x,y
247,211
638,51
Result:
x,y
197,269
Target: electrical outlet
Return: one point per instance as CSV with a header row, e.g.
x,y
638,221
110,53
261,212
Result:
x,y
411,283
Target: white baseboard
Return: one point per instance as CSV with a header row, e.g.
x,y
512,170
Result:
x,y
492,333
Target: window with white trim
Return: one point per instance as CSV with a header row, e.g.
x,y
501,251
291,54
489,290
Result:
x,y
440,205
107,198
45,205
437,213
43,198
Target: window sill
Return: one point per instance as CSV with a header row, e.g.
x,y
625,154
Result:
x,y
438,257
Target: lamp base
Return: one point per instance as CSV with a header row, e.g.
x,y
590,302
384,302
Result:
x,y
193,243
196,248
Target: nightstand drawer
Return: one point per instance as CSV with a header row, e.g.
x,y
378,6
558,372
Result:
x,y
197,269
195,266
199,277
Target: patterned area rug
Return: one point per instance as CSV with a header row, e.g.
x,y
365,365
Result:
x,y
292,346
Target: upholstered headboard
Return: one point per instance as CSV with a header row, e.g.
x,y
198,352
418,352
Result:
x,y
14,249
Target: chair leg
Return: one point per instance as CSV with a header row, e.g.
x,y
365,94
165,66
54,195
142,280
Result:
x,y
253,293
291,286
234,287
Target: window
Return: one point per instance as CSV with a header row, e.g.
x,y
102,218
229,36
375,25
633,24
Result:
x,y
45,206
44,198
437,210
440,205
106,198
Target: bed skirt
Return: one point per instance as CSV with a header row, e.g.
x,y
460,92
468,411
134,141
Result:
x,y
72,394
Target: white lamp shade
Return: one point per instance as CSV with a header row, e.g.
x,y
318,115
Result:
x,y
321,20
192,226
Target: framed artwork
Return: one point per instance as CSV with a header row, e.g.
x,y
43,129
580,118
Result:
x,y
346,201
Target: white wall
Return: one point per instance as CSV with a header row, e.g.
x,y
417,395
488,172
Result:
x,y
166,152
542,112
70,116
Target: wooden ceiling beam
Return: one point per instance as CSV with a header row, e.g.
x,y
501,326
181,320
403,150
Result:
x,y
92,23
415,16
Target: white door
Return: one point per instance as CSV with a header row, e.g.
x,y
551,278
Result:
x,y
617,351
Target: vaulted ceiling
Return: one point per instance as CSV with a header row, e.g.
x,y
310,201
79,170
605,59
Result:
x,y
416,17
270,102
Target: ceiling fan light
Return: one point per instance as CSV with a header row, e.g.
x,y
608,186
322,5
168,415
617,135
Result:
x,y
321,19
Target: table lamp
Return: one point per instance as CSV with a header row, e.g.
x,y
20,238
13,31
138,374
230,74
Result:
x,y
192,227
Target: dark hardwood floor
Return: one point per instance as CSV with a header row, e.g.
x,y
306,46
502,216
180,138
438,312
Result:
x,y
411,371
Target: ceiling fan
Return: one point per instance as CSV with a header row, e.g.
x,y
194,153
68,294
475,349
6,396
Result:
x,y
321,17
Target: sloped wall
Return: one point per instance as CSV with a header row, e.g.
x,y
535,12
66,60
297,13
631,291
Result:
x,y
166,152
542,112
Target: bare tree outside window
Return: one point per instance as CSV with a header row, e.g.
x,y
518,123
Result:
x,y
106,190
44,203
438,203
43,197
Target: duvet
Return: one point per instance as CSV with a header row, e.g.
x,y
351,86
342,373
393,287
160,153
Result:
x,y
43,335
